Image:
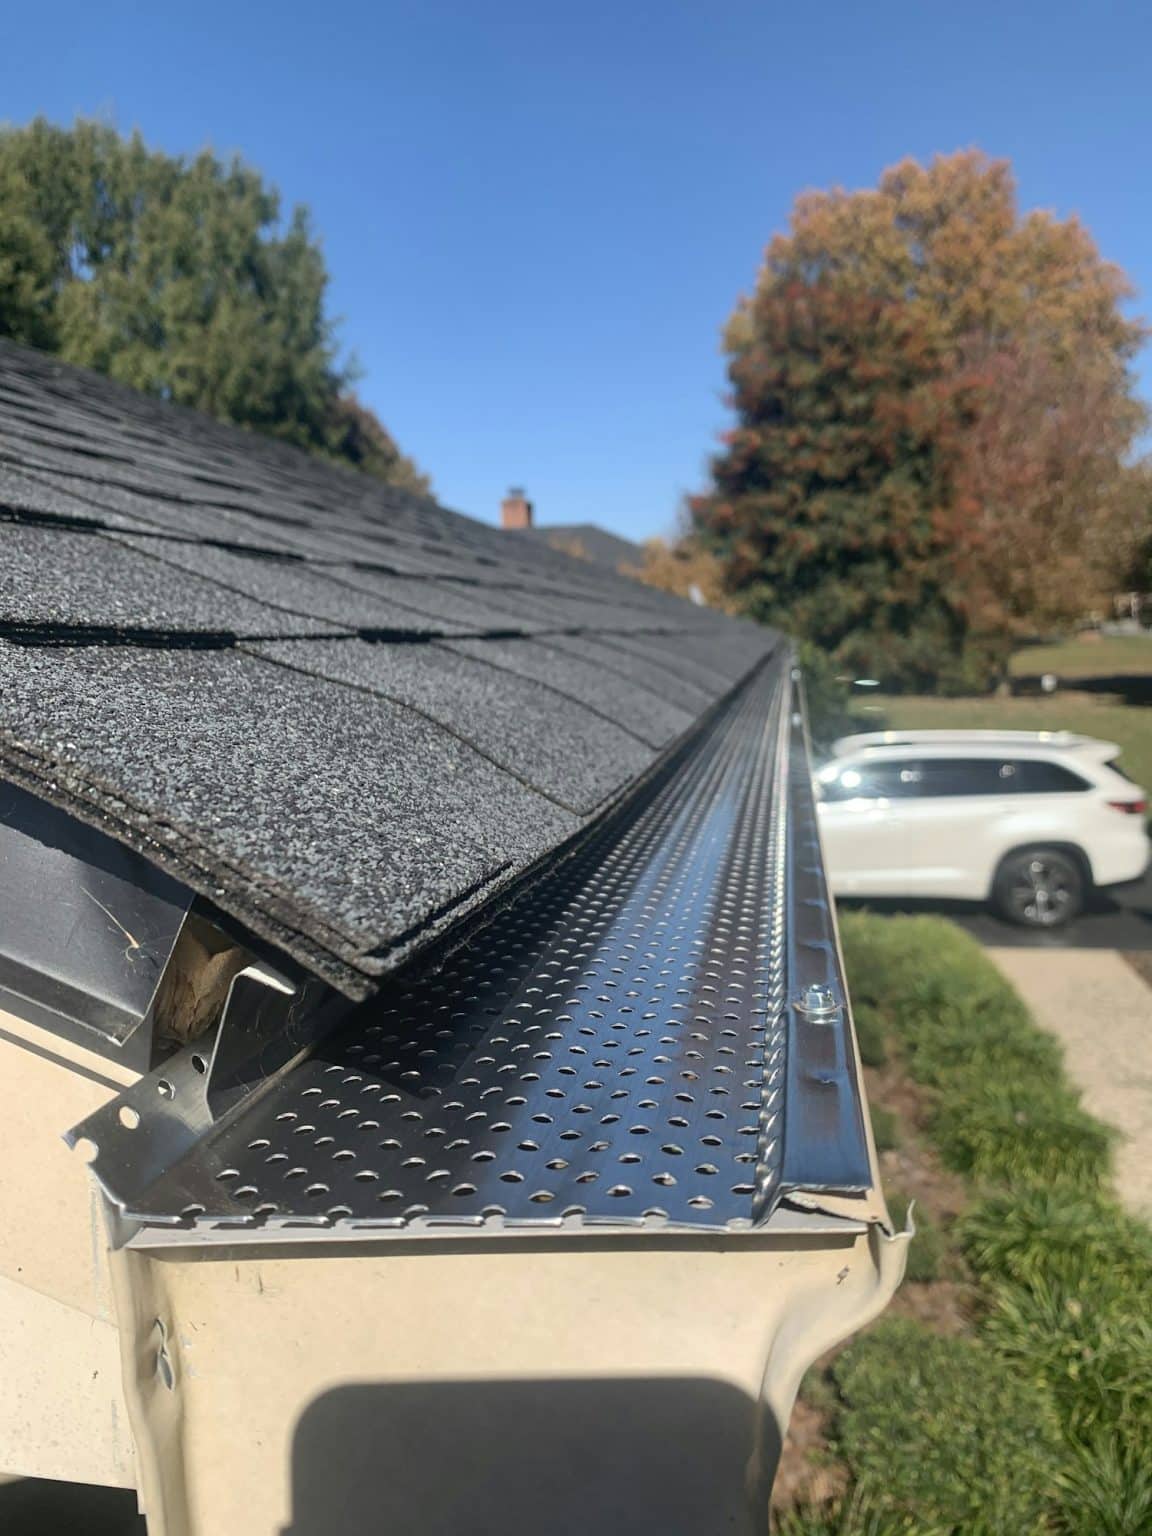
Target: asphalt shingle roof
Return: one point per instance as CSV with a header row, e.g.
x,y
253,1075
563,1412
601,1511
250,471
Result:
x,y
341,712
588,541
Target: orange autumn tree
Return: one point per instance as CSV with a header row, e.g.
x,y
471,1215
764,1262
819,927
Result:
x,y
934,414
682,565
1054,511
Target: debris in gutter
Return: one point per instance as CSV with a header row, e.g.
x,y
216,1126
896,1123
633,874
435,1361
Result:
x,y
195,984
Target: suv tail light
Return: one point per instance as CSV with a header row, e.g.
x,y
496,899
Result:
x,y
1129,807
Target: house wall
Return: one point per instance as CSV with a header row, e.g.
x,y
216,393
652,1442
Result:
x,y
62,1411
510,1388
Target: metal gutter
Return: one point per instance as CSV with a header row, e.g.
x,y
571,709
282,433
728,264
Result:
x,y
825,1143
653,1036
87,927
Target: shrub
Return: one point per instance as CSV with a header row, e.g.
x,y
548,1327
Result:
x,y
890,961
1059,1383
817,1390
870,1035
1001,1127
1089,1346
1105,1490
856,1516
942,1038
926,1250
1003,1109
911,960
943,999
1059,1233
885,1128
937,1430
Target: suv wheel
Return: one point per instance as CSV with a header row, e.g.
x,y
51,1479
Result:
x,y
1039,888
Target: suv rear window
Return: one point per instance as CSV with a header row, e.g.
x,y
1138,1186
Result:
x,y
966,776
873,781
1037,778
935,778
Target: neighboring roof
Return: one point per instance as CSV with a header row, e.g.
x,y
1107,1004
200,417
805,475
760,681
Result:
x,y
587,541
344,714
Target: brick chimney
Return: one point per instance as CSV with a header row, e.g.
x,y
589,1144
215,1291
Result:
x,y
516,510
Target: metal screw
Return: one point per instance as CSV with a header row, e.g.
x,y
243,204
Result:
x,y
818,1004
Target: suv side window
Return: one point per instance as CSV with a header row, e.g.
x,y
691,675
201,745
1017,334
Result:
x,y
1037,778
873,781
967,776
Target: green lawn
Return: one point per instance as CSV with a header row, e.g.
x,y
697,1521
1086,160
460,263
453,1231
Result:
x,y
1029,1408
1093,656
1088,714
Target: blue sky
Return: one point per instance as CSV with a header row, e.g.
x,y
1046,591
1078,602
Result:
x,y
537,217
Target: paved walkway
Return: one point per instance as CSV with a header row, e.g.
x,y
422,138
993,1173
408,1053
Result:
x,y
1096,1004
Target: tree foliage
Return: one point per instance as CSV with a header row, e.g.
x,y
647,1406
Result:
x,y
1053,511
179,278
355,435
935,409
684,566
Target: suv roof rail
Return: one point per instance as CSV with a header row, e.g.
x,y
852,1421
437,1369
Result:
x,y
1061,740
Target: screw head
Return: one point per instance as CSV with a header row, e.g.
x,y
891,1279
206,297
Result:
x,y
818,1004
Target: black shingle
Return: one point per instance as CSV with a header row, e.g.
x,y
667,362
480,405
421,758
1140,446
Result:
x,y
684,662
577,612
54,576
342,596
298,688
451,606
726,648
553,744
626,701
114,507
25,494
654,676
299,803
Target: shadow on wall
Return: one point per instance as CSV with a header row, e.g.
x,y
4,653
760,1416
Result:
x,y
34,1506
617,1457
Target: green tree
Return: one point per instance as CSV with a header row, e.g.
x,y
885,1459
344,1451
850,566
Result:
x,y
933,397
357,436
831,510
179,278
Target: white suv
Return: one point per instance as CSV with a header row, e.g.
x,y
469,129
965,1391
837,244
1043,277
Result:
x,y
1029,820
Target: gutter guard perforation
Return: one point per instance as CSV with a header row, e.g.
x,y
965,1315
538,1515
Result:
x,y
609,1050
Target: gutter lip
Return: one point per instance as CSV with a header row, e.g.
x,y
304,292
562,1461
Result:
x,y
783,1226
826,1145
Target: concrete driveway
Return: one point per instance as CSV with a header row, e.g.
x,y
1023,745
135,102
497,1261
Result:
x,y
1101,1012
1080,989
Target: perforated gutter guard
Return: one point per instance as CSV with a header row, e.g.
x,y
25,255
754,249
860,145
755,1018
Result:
x,y
653,1035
